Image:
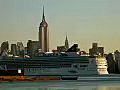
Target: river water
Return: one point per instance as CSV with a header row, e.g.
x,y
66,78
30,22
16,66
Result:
x,y
62,85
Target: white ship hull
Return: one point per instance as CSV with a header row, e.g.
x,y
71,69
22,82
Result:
x,y
70,68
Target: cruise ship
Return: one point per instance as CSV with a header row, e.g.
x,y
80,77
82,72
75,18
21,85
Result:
x,y
68,65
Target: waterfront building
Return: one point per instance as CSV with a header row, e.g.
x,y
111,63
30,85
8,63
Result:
x,y
95,50
32,47
4,47
43,35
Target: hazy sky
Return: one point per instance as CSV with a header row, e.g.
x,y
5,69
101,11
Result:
x,y
85,22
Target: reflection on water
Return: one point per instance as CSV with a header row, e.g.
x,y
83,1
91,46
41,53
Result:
x,y
62,85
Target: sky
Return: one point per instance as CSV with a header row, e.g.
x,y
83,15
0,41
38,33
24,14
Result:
x,y
84,21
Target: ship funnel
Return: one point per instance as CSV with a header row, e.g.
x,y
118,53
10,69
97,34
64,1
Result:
x,y
74,48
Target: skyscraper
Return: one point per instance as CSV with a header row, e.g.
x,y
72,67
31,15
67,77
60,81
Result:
x,y
4,47
32,47
14,49
43,35
20,48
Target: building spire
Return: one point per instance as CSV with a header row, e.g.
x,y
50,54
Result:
x,y
43,23
66,42
66,37
43,17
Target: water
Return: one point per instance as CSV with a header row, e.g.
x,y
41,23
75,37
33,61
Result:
x,y
62,85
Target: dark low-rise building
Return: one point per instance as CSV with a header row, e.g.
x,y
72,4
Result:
x,y
95,50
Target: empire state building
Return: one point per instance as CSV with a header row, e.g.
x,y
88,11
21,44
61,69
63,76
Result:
x,y
44,35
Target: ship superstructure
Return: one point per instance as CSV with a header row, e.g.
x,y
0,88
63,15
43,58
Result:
x,y
66,65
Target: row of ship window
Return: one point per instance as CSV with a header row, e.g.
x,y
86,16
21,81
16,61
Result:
x,y
61,66
36,69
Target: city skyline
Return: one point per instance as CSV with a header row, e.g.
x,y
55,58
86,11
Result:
x,y
85,21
